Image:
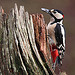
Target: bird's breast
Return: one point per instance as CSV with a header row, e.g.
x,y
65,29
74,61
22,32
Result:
x,y
50,29
51,32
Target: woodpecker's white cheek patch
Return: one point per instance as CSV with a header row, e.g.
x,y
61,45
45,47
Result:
x,y
58,15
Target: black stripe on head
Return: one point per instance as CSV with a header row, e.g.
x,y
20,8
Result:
x,y
58,11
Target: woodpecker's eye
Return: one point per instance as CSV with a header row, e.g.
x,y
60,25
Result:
x,y
54,12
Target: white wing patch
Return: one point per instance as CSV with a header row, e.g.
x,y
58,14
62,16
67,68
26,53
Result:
x,y
63,33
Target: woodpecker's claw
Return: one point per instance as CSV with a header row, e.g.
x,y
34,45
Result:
x,y
45,10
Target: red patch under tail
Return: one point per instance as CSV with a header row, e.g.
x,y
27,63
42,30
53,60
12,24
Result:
x,y
54,52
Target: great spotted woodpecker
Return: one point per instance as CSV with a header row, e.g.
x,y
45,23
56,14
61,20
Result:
x,y
56,35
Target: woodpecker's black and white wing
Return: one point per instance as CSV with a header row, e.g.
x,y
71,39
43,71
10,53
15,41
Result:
x,y
60,39
60,36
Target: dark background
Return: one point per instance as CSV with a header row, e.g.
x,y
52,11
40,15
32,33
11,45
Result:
x,y
68,8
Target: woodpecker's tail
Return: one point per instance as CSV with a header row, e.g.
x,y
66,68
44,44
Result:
x,y
61,52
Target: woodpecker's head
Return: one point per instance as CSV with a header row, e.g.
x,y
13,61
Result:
x,y
56,14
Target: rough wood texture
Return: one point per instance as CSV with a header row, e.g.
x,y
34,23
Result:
x,y
19,52
23,44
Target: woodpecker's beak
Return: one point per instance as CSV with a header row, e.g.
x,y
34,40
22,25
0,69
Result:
x,y
46,10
